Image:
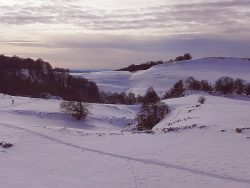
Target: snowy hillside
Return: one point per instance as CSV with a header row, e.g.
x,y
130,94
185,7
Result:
x,y
164,76
40,112
53,150
196,145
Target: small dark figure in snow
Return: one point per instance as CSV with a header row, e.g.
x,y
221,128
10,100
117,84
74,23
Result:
x,y
13,101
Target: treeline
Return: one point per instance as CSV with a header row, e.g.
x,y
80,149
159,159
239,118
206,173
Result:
x,y
224,85
37,78
120,98
148,65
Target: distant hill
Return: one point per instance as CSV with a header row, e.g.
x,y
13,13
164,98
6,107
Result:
x,y
164,76
148,65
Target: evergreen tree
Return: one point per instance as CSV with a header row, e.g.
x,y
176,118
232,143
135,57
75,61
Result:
x,y
151,114
151,96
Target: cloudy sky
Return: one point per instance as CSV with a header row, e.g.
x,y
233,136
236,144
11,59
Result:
x,y
116,33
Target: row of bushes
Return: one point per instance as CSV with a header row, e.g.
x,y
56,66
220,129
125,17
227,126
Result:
x,y
120,98
225,85
123,98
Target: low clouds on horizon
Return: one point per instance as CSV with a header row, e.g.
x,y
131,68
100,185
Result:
x,y
157,31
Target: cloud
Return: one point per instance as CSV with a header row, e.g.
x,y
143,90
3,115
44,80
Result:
x,y
198,44
220,16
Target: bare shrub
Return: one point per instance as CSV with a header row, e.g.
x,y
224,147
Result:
x,y
78,110
202,99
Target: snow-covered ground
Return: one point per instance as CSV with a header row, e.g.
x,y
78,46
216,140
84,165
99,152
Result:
x,y
194,146
53,150
164,76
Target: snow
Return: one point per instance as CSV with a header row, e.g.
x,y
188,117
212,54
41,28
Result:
x,y
164,76
51,149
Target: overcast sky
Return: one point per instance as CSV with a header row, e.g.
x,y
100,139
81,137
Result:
x,y
116,33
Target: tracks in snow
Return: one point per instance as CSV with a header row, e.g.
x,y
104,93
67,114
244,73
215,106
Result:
x,y
140,160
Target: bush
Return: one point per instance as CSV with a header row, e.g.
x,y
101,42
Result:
x,y
247,89
151,114
186,56
113,98
192,84
78,110
202,99
225,85
176,91
239,85
130,99
205,86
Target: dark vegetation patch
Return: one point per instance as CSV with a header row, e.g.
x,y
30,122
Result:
x,y
224,85
6,145
151,112
241,130
143,132
148,65
37,78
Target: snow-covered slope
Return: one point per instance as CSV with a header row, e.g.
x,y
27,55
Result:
x,y
194,146
53,150
164,76
40,112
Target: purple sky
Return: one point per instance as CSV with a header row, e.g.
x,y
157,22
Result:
x,y
111,33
